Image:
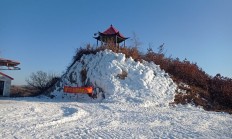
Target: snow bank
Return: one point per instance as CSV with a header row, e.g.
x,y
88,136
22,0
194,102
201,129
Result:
x,y
121,79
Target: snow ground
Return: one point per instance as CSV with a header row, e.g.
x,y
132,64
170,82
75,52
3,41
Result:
x,y
53,118
136,106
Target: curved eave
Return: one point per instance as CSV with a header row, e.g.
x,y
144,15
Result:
x,y
104,39
115,34
7,62
103,36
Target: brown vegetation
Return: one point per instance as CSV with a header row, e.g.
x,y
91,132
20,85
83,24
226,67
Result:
x,y
212,93
22,91
123,75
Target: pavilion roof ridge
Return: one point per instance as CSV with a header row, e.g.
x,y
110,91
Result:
x,y
110,30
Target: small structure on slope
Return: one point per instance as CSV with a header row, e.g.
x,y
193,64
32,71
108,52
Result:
x,y
110,35
5,80
5,84
6,64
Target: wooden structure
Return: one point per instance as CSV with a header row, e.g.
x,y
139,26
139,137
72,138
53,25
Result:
x,y
5,80
5,84
6,64
110,35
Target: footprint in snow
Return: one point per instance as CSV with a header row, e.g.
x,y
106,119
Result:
x,y
105,107
68,111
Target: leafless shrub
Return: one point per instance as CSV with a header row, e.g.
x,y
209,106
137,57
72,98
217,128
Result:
x,y
41,81
135,40
83,75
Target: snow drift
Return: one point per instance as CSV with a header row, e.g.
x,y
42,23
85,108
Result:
x,y
119,79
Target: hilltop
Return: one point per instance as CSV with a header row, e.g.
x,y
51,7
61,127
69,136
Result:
x,y
138,102
119,79
193,85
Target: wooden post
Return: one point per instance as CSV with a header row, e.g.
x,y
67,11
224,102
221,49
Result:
x,y
101,40
116,41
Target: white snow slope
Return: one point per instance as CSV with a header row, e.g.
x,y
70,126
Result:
x,y
145,84
134,107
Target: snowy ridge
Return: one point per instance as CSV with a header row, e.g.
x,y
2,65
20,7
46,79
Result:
x,y
145,83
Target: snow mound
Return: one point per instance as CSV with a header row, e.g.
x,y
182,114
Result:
x,y
120,79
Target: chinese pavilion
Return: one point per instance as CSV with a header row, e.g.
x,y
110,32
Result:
x,y
110,35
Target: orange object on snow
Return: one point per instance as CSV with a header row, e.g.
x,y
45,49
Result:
x,y
85,90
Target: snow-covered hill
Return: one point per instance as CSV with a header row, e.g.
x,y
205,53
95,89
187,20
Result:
x,y
120,79
136,105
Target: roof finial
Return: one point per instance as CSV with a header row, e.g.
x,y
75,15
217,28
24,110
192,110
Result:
x,y
111,25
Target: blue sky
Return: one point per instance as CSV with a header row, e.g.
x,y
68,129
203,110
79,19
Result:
x,y
44,34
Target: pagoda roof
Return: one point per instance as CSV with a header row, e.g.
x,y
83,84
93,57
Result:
x,y
111,31
7,62
10,64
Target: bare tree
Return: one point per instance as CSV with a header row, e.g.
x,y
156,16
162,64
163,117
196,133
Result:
x,y
135,40
42,81
161,49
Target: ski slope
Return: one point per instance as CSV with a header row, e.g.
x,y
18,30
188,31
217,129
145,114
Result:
x,y
136,105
